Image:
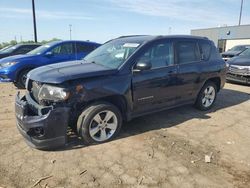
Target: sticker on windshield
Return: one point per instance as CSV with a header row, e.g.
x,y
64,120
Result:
x,y
131,45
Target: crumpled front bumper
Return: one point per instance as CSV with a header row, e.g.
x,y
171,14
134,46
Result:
x,y
42,127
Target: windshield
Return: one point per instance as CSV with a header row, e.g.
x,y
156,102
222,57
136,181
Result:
x,y
39,50
112,54
246,53
238,48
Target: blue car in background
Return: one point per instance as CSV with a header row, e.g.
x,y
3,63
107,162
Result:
x,y
15,68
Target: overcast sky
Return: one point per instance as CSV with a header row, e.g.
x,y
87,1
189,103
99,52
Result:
x,y
100,20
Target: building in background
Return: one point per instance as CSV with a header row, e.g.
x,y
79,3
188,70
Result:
x,y
227,36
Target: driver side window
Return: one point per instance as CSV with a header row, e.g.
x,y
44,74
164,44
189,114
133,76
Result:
x,y
159,55
65,49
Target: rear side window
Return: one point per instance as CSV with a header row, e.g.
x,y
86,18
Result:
x,y
205,49
84,48
187,52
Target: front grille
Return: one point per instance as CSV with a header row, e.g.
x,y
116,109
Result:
x,y
240,70
238,77
35,88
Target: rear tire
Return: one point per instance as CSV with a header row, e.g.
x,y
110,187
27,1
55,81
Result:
x,y
99,123
206,97
21,79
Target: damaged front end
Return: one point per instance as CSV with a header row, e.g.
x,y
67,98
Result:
x,y
43,127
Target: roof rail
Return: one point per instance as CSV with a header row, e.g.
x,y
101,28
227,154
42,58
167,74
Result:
x,y
131,36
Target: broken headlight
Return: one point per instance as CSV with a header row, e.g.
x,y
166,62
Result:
x,y
53,93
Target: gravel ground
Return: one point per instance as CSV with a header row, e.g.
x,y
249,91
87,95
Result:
x,y
165,149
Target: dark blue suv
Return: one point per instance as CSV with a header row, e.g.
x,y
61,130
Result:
x,y
123,79
15,68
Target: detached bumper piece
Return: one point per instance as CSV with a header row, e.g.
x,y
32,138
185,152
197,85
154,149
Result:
x,y
238,78
42,127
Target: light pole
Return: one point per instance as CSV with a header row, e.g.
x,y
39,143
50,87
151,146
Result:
x,y
240,11
70,37
34,19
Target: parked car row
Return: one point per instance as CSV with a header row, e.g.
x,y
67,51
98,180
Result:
x,y
124,78
94,88
15,68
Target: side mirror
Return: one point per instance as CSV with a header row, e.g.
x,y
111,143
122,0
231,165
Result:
x,y
49,54
142,65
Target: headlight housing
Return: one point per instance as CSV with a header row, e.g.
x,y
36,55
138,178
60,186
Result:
x,y
53,93
8,64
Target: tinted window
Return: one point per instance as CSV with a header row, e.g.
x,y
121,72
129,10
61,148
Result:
x,y
159,55
23,50
187,52
84,48
205,49
63,49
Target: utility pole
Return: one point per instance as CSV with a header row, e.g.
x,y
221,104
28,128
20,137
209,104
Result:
x,y
34,19
240,11
70,37
169,30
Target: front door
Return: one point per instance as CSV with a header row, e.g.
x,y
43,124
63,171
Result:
x,y
61,53
155,88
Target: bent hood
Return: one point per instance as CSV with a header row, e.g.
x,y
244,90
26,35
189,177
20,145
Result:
x,y
61,72
239,60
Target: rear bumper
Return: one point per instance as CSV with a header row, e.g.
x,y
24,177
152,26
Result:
x,y
44,131
238,78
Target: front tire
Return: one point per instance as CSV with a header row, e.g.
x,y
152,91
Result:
x,y
99,123
21,79
206,97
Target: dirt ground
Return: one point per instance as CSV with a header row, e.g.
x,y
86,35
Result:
x,y
166,149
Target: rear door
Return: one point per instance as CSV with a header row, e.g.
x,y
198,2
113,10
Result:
x,y
82,49
155,88
189,63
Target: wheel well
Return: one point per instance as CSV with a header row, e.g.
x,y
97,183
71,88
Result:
x,y
117,100
217,82
21,70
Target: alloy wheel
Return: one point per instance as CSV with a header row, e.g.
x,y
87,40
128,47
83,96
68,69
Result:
x,y
208,96
103,126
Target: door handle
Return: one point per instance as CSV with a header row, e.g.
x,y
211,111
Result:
x,y
172,71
